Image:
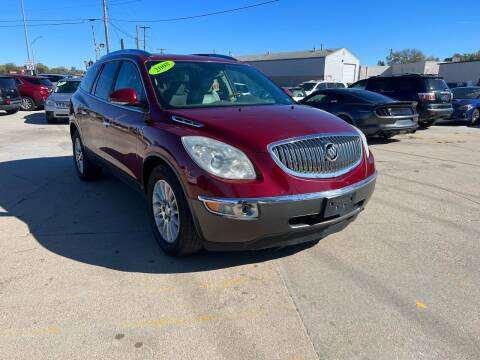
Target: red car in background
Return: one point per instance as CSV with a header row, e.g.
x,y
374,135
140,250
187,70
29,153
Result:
x,y
34,90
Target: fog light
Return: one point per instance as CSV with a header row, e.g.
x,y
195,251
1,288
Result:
x,y
233,209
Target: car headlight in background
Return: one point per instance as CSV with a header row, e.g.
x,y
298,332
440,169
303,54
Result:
x,y
364,141
218,158
466,107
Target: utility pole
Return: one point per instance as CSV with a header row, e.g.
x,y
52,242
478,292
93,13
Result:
x,y
162,50
137,37
95,47
26,32
122,45
105,25
145,28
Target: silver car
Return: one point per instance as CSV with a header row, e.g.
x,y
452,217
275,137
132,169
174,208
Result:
x,y
58,103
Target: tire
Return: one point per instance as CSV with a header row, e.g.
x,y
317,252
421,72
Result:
x,y
50,118
175,237
86,170
476,117
27,104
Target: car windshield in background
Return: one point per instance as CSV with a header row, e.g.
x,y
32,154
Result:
x,y
436,84
66,87
297,92
370,96
186,84
39,81
308,86
7,84
466,93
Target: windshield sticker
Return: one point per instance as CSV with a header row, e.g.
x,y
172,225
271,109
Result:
x,y
161,67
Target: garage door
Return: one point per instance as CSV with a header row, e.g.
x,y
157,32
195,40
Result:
x,y
349,73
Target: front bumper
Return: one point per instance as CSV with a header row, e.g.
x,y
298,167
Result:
x,y
464,115
405,126
282,221
57,112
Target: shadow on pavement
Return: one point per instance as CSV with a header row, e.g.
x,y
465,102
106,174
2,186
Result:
x,y
40,119
456,123
101,223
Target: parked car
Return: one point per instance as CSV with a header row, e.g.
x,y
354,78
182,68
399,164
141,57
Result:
x,y
54,78
314,85
296,93
466,104
374,114
9,97
433,97
34,90
220,170
57,105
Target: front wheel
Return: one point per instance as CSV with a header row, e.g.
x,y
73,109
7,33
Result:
x,y
170,215
475,116
27,104
50,118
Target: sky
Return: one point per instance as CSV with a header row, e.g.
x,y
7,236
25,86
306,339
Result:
x,y
369,29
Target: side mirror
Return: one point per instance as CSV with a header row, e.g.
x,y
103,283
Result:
x,y
126,96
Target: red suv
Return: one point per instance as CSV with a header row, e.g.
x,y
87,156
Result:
x,y
34,90
220,169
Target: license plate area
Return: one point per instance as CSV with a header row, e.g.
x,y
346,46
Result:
x,y
339,205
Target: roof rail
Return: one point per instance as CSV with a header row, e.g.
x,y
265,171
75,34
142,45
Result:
x,y
129,51
218,56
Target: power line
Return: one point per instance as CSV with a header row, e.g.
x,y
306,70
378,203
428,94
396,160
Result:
x,y
52,24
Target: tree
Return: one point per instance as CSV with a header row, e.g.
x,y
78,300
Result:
x,y
59,70
6,68
405,56
432,58
467,56
41,68
381,63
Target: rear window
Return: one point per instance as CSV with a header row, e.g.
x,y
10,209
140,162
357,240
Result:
x,y
66,87
466,93
308,86
436,84
39,81
7,83
370,96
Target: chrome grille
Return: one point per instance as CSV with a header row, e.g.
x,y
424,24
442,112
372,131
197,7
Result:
x,y
311,156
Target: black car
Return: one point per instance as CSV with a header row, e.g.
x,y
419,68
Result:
x,y
10,99
432,94
374,114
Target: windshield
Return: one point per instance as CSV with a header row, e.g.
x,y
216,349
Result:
x,y
436,84
39,81
297,92
208,84
308,86
66,87
466,93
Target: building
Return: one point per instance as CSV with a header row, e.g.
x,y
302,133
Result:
x,y
420,67
456,72
292,68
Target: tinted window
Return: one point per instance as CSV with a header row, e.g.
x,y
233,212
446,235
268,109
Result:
x,y
39,81
381,85
53,78
370,96
7,83
318,98
206,84
89,78
436,84
128,77
66,87
362,84
308,86
466,93
104,86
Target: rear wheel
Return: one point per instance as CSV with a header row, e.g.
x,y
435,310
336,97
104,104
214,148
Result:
x,y
27,104
86,170
170,215
475,116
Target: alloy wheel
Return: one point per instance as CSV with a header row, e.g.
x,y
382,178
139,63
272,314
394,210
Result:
x,y
165,211
26,104
79,155
475,116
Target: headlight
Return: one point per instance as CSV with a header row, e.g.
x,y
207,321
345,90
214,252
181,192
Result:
x,y
364,141
218,158
466,107
50,103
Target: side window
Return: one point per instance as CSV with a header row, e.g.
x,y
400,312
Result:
x,y
104,86
18,82
362,84
381,85
321,86
129,77
319,99
89,78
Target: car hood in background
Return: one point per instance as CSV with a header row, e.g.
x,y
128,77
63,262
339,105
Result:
x,y
253,128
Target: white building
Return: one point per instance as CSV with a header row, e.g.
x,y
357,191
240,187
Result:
x,y
292,68
420,67
468,71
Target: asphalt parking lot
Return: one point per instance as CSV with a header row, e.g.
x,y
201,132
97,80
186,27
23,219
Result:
x,y
82,277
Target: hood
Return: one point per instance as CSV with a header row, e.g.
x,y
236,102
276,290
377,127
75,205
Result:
x,y
253,128
60,97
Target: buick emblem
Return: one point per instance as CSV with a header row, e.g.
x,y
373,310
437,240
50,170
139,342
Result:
x,y
331,152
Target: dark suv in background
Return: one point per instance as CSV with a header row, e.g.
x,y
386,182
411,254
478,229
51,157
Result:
x,y
432,94
9,97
